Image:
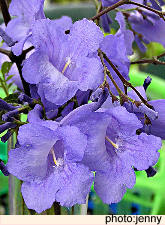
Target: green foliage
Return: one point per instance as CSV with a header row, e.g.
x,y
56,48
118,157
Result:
x,y
12,98
6,66
5,85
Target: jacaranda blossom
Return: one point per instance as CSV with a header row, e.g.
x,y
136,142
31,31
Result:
x,y
63,63
49,157
19,28
124,150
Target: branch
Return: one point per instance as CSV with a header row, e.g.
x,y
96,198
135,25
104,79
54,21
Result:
x,y
18,60
161,55
154,60
5,12
28,50
110,8
123,2
125,82
5,52
159,13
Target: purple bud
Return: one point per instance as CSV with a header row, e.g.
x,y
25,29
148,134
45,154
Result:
x,y
3,168
5,106
106,21
147,82
145,40
101,96
149,112
25,98
161,2
155,5
17,145
151,172
95,96
147,128
140,44
52,114
8,117
6,136
67,109
6,126
8,40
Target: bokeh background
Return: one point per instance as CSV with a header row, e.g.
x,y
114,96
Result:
x,y
147,197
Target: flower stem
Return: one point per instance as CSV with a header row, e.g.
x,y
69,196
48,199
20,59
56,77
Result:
x,y
5,12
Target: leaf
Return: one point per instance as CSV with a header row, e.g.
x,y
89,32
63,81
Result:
x,y
12,98
6,66
9,86
9,77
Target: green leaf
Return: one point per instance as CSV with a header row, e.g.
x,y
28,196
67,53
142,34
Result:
x,y
12,98
9,77
6,66
9,86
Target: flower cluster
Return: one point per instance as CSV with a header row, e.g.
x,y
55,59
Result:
x,y
68,142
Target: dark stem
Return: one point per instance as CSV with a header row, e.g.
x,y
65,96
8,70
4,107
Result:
x,y
19,60
122,2
152,61
161,55
5,52
57,208
159,13
28,50
5,11
110,8
24,83
125,82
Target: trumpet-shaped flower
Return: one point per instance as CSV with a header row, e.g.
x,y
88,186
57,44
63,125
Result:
x,y
63,63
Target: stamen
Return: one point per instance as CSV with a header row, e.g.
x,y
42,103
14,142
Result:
x,y
112,143
54,157
66,65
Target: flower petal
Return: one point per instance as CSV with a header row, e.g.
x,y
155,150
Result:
x,y
111,186
74,141
29,161
40,196
76,181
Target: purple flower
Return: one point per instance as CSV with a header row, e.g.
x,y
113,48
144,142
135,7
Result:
x,y
147,25
157,126
112,45
106,21
63,64
6,106
6,126
13,71
155,4
8,40
107,3
3,168
49,157
125,33
19,28
123,150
